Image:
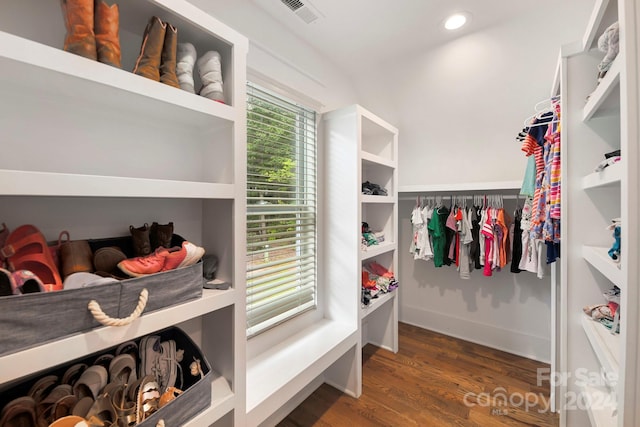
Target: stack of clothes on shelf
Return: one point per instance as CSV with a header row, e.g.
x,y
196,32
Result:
x,y
376,280
369,237
607,313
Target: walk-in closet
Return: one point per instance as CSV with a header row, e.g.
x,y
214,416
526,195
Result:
x,y
260,213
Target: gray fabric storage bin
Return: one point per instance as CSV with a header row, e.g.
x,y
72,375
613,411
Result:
x,y
197,391
34,319
165,289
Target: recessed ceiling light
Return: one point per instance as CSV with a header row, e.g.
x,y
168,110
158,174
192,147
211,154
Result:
x,y
455,21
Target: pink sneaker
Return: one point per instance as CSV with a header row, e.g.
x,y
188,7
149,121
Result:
x,y
27,282
141,266
175,257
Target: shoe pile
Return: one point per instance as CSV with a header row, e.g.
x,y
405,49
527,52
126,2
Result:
x,y
373,189
121,389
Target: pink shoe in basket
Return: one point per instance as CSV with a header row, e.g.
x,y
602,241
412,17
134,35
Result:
x,y
27,282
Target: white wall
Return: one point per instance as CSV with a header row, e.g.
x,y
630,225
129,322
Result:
x,y
281,57
458,108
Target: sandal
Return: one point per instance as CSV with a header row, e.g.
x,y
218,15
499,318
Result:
x,y
27,282
91,382
147,398
44,408
125,408
41,388
19,412
26,249
122,369
72,374
102,413
169,395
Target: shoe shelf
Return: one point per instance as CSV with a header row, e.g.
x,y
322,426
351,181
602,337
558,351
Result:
x,y
376,303
601,261
375,250
222,402
605,345
18,183
605,99
77,81
600,405
374,160
610,176
22,363
368,198
601,17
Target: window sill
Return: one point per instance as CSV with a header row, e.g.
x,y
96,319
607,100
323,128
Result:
x,y
278,374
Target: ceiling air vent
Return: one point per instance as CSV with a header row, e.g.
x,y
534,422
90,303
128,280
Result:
x,y
304,11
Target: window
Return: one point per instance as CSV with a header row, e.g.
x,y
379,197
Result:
x,y
281,209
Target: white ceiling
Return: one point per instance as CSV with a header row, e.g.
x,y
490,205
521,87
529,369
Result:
x,y
357,33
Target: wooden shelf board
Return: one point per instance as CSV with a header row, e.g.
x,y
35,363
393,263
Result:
x,y
375,304
600,405
609,84
367,198
606,345
76,80
377,160
22,363
375,250
610,176
600,260
17,183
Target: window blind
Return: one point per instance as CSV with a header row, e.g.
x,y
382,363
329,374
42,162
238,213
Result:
x,y
281,209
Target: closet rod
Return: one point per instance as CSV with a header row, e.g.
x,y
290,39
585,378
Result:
x,y
504,196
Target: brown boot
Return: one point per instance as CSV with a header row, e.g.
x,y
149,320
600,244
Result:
x,y
160,235
168,64
78,18
107,21
140,238
148,62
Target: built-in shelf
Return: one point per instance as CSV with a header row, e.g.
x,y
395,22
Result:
x,y
376,303
594,26
375,250
606,346
18,183
599,258
601,406
609,84
222,402
22,363
609,176
377,160
56,73
367,198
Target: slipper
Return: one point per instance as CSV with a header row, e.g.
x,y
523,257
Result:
x,y
82,407
91,382
41,388
104,360
72,374
128,347
122,369
26,249
19,412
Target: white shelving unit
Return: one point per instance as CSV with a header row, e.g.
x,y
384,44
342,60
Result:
x,y
596,119
362,147
93,149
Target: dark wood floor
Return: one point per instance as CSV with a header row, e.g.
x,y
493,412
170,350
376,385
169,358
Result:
x,y
434,380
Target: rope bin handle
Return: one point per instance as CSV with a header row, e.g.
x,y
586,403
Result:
x,y
102,318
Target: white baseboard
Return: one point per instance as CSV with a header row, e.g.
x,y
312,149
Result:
x,y
518,343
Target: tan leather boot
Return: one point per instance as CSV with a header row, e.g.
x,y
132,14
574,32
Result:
x,y
148,62
168,62
106,24
78,18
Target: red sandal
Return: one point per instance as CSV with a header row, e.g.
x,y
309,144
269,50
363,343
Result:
x,y
26,249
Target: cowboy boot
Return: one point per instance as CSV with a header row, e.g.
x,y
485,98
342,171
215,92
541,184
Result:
x,y
160,235
148,62
168,61
106,30
210,71
185,60
140,239
78,19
